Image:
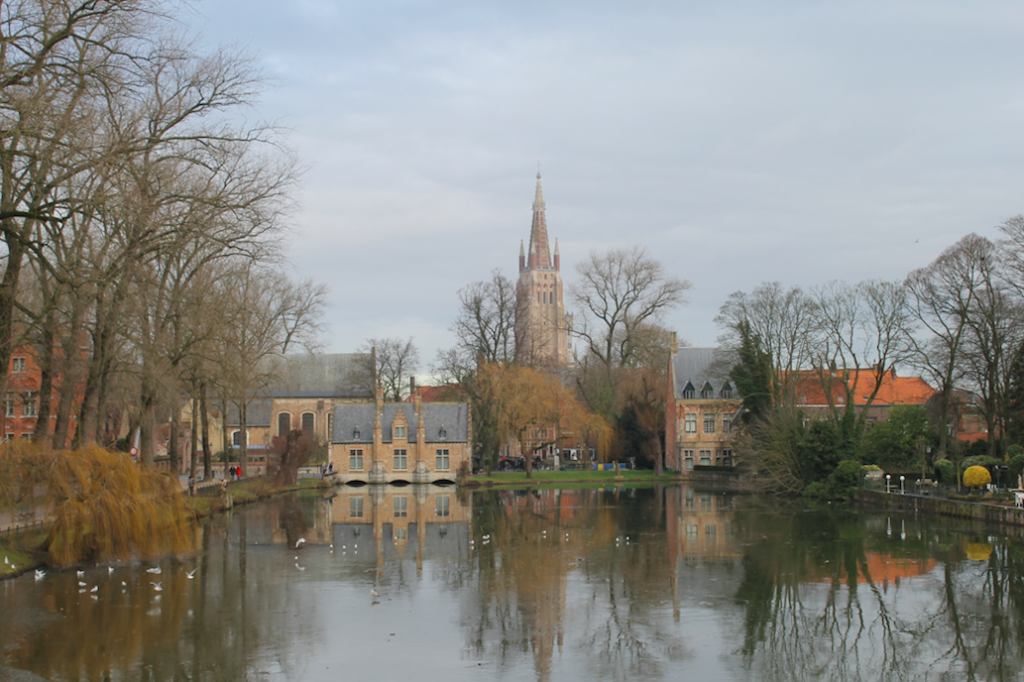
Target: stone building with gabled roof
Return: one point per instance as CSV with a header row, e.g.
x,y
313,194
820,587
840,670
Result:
x,y
390,442
701,409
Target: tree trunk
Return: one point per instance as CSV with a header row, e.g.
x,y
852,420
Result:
x,y
9,290
243,449
227,444
193,434
48,339
173,447
204,414
147,424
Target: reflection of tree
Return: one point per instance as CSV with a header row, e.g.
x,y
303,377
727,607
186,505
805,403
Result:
x,y
216,626
540,541
823,598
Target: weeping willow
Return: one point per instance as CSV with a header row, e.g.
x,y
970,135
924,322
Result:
x,y
103,506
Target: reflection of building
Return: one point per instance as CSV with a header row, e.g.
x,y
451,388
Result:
x,y
700,527
417,443
701,408
542,334
435,518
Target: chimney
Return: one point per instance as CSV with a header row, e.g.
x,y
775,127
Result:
x,y
412,385
892,372
673,343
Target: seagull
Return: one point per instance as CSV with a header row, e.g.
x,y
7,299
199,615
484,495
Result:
x,y
80,574
110,569
82,584
154,571
191,574
158,586
124,584
96,588
298,543
301,568
374,593
40,574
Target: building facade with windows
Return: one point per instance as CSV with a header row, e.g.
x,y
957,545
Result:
x,y
22,398
390,442
702,407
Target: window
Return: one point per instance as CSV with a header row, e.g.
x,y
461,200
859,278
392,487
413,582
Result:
x,y
726,392
442,460
400,534
31,405
689,498
705,458
707,392
442,508
688,392
727,458
355,460
727,422
236,439
688,458
442,433
9,404
401,507
355,507
840,400
709,423
308,422
401,460
399,432
690,423
284,424
17,365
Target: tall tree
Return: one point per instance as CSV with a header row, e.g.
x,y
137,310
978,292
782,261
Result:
x,y
391,363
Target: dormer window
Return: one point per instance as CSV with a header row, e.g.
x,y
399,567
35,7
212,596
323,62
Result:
x,y
442,433
355,433
399,432
706,393
726,391
688,392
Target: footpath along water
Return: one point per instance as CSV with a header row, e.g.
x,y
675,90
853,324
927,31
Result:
x,y
427,583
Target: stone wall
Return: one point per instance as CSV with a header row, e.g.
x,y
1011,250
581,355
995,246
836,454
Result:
x,y
992,513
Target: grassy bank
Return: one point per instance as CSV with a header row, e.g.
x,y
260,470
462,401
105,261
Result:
x,y
518,479
246,492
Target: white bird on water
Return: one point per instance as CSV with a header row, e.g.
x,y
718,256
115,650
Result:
x,y
80,574
40,574
374,593
298,543
96,588
191,574
154,571
301,568
6,561
110,569
159,587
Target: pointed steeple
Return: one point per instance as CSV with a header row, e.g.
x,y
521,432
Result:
x,y
522,256
558,264
540,251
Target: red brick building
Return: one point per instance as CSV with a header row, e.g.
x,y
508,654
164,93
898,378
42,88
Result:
x,y
21,397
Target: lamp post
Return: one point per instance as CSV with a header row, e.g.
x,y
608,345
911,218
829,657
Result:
x,y
887,477
903,490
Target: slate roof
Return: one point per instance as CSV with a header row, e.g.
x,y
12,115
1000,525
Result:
x,y
453,418
700,366
256,415
332,375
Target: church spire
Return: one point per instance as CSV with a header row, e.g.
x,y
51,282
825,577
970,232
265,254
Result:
x,y
540,251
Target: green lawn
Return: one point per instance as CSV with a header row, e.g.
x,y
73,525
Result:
x,y
549,477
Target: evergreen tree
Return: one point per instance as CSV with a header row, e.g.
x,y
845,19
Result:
x,y
753,375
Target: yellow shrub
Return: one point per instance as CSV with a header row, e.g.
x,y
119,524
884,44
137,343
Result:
x,y
978,551
976,477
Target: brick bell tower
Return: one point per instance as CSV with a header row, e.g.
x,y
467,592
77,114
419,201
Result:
x,y
542,328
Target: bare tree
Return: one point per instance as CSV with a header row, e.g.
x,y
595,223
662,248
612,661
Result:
x,y
621,294
941,297
485,325
388,363
783,321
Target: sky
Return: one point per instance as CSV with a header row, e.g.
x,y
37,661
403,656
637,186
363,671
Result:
x,y
738,142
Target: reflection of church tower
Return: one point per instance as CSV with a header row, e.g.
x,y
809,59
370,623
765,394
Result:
x,y
542,335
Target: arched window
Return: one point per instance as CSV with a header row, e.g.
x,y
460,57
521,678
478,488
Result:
x,y
308,421
284,424
236,439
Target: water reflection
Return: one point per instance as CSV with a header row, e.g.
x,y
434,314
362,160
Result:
x,y
549,584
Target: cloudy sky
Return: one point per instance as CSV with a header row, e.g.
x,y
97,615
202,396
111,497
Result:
x,y
739,142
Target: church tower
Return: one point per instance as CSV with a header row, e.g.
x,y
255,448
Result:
x,y
542,334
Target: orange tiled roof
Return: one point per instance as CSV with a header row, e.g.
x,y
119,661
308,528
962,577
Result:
x,y
894,390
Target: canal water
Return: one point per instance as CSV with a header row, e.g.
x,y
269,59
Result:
x,y
428,583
